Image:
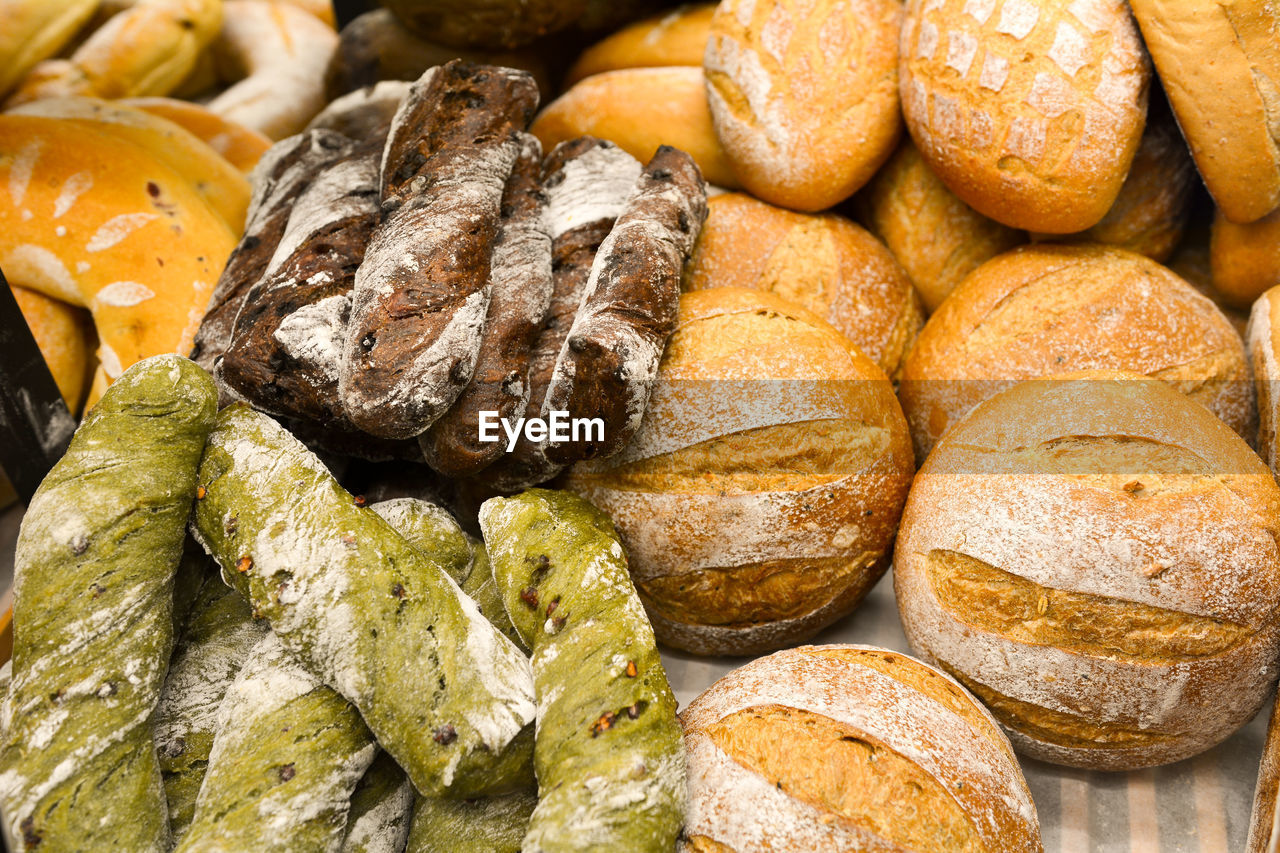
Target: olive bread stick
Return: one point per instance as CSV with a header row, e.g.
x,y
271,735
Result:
x,y
483,589
432,530
210,650
286,759
448,696
486,825
381,808
93,600
608,754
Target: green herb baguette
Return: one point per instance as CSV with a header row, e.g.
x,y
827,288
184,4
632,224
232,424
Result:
x,y
483,589
609,756
369,614
494,824
212,647
93,624
381,809
287,757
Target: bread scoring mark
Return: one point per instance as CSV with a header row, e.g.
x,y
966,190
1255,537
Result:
x,y
1023,611
36,267
995,71
122,294
116,229
961,48
110,361
1018,18
927,45
20,169
1070,49
980,10
73,187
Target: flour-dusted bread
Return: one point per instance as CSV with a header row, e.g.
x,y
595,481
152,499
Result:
x,y
804,95
1219,65
823,262
1048,309
1264,358
1030,112
760,496
835,748
1095,557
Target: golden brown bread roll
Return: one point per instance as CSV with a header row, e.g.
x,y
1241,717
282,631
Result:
x,y
823,262
1264,347
804,95
1051,308
34,30
677,37
1095,557
1264,828
1220,65
1245,259
936,237
640,109
1031,113
759,497
64,335
834,748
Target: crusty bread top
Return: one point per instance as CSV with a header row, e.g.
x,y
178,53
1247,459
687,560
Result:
x,y
1220,65
677,37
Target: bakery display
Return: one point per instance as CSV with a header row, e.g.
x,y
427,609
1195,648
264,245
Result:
x,y
1094,557
1031,115
93,597
822,262
841,747
804,134
760,497
1048,309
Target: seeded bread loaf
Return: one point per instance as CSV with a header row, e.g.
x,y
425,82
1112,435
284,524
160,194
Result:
x,y
760,498
1048,309
1030,113
831,748
822,262
1094,556
804,95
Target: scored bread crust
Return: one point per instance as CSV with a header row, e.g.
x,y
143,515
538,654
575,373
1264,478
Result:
x,y
1116,491
1220,66
886,700
1030,114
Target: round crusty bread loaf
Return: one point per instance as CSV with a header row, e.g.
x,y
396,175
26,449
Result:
x,y
760,496
804,95
1264,821
1245,259
1149,214
640,109
1220,66
1095,557
1050,308
1263,339
936,237
1031,113
835,748
821,261
677,37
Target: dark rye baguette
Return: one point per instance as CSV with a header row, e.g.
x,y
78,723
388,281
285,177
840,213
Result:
x,y
278,179
587,182
422,292
287,341
520,276
608,363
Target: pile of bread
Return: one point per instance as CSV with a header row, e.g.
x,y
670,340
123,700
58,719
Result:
x,y
970,297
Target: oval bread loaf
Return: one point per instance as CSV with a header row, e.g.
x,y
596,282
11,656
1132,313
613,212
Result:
x,y
1050,309
1031,113
822,262
1245,259
804,95
835,748
1095,557
759,498
677,37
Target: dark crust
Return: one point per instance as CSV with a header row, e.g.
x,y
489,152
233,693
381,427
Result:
x,y
631,312
463,112
517,309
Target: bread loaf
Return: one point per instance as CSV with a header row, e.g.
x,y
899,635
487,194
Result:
x,y
936,237
63,334
759,498
1220,67
1264,359
241,146
486,23
804,95
677,37
822,262
1050,309
1095,557
1032,113
1245,259
34,30
833,748
1264,833
640,109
